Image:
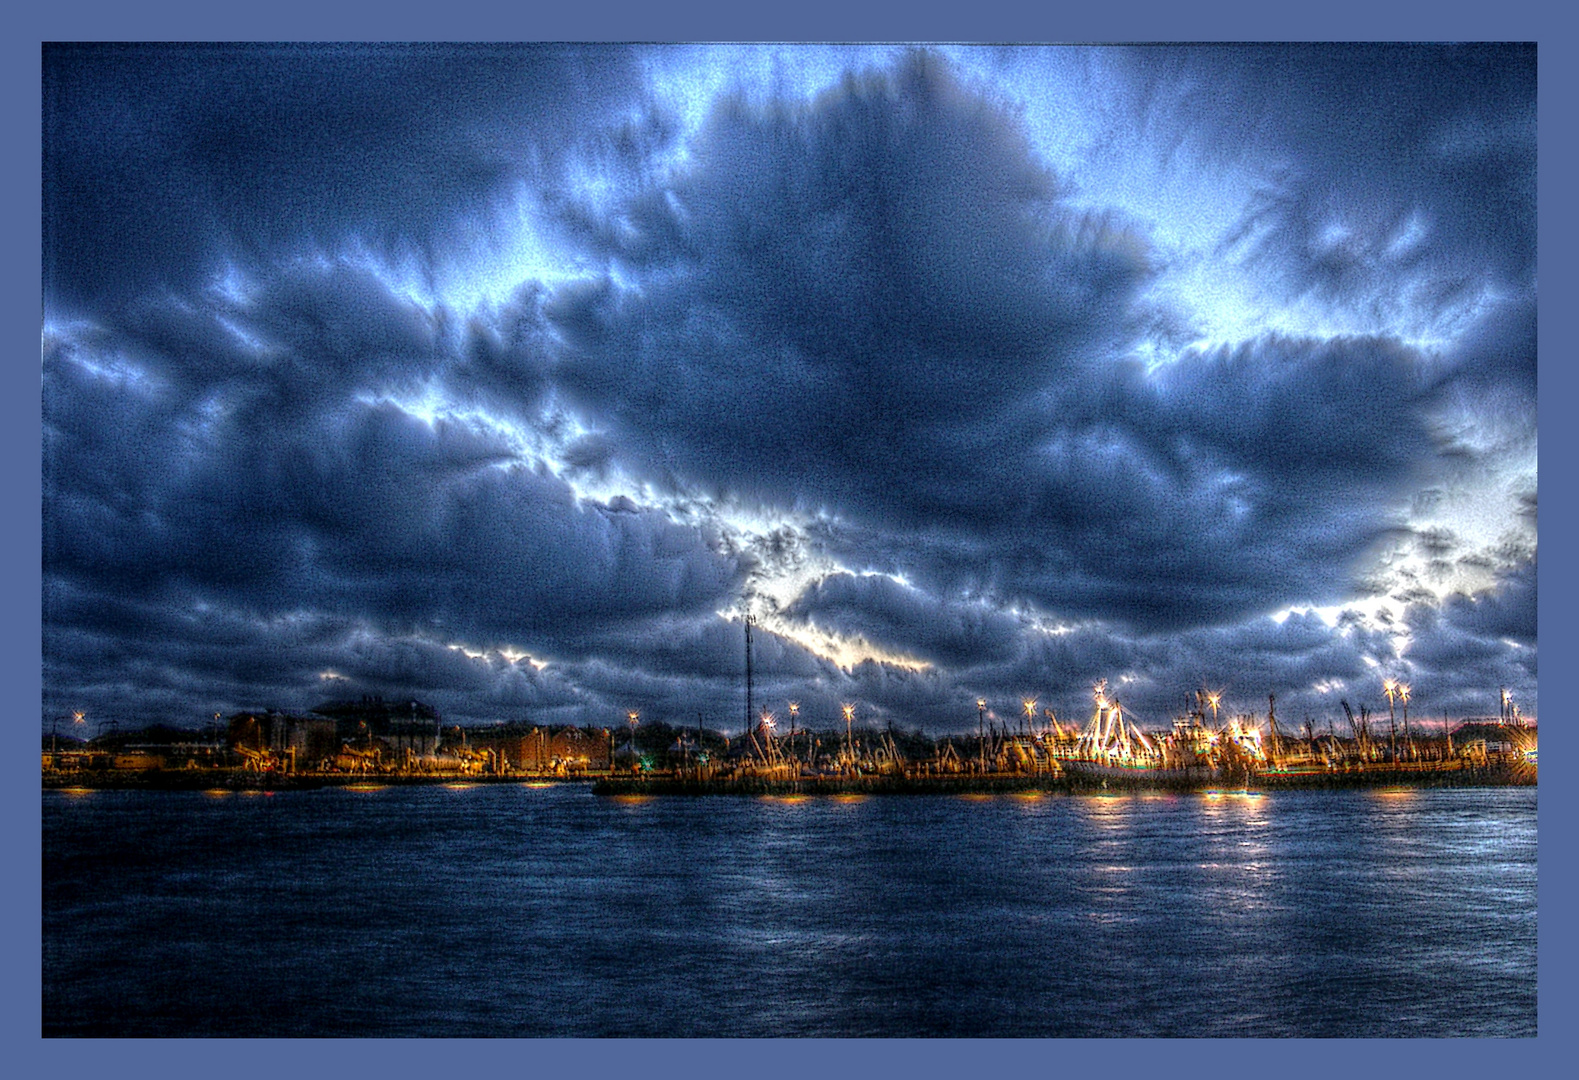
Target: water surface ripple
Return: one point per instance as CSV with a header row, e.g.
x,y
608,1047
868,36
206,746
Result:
x,y
512,910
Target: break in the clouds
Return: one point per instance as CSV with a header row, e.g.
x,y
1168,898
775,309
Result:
x,y
511,378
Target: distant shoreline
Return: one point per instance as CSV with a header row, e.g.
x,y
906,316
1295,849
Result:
x,y
625,785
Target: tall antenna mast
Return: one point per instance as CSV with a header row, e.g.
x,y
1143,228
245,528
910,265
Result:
x,y
748,673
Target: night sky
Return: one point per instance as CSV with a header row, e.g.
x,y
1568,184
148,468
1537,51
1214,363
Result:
x,y
509,378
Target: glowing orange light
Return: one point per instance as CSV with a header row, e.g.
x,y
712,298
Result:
x,y
1399,794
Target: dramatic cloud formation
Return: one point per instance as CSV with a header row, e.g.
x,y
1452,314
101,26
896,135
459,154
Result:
x,y
512,378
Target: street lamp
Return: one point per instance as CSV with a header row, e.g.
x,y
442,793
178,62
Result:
x,y
1030,713
79,720
1390,688
981,733
1403,695
794,708
767,732
849,736
634,717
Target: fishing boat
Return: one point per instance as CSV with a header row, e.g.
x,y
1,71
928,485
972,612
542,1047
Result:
x,y
1113,749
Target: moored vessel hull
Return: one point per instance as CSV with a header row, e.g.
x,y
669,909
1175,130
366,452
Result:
x,y
1141,775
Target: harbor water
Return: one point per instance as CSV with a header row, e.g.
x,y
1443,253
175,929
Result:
x,y
516,910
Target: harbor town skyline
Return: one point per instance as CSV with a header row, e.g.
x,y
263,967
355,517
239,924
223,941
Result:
x,y
511,379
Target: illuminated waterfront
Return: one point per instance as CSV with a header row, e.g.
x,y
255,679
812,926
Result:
x,y
530,910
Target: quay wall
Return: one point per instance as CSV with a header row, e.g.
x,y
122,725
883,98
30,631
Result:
x,y
1469,776
1377,775
242,780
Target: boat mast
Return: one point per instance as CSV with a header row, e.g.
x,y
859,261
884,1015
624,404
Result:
x,y
748,672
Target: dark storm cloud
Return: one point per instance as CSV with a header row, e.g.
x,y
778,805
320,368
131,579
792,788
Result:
x,y
129,659
1461,649
1507,611
1500,350
1307,663
678,668
163,161
881,305
857,278
903,619
1490,373
1296,411
880,311
1386,164
378,513
504,360
188,473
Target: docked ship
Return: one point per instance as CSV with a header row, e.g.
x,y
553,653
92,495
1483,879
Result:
x,y
1113,749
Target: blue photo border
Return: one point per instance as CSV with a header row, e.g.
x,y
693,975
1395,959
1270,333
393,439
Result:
x,y
716,20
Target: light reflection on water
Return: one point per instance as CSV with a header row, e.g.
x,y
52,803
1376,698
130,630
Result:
x,y
547,911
